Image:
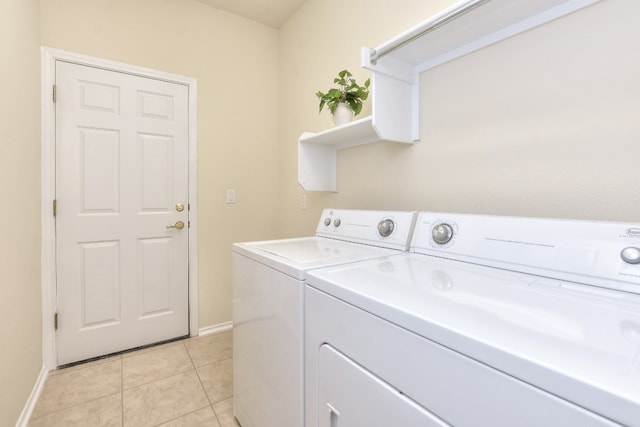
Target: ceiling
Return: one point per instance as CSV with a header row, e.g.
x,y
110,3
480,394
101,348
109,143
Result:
x,y
269,12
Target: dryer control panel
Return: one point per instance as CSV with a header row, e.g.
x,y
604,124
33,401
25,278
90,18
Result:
x,y
591,252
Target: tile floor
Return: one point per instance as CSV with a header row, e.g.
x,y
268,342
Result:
x,y
184,383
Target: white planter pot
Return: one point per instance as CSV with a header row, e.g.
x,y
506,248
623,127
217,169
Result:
x,y
343,114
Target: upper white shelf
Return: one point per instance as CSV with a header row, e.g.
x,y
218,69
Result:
x,y
465,27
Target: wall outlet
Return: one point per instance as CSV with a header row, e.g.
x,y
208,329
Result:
x,y
231,195
303,202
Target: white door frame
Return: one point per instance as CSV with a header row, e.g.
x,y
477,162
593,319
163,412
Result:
x,y
48,250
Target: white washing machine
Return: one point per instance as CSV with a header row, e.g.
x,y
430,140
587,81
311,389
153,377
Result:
x,y
488,321
268,297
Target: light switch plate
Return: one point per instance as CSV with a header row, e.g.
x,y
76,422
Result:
x,y
231,195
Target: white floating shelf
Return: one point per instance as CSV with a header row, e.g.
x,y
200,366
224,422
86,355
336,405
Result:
x,y
351,134
317,151
465,27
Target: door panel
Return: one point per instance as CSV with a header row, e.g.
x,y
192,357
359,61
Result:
x,y
99,170
121,168
100,283
154,256
156,172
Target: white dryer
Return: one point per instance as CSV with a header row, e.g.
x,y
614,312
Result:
x,y
488,321
268,297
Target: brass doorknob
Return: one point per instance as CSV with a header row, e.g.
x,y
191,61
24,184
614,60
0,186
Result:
x,y
179,225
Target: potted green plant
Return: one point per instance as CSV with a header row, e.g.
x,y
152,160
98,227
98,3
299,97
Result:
x,y
345,101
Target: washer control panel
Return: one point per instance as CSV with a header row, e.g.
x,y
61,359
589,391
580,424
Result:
x,y
392,229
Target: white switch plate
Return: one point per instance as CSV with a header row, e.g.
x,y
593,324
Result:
x,y
303,202
231,195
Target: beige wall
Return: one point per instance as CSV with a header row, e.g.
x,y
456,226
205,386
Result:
x,y
20,301
236,63
543,124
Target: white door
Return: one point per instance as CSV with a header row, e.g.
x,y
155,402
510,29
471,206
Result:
x,y
121,182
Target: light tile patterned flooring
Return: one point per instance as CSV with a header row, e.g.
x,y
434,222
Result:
x,y
184,383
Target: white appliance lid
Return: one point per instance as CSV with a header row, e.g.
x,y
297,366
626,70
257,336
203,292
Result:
x,y
579,342
295,256
313,251
342,236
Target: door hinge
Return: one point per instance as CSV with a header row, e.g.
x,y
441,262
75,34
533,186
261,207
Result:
x,y
55,93
55,321
55,207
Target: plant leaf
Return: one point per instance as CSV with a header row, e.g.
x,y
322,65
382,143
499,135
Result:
x,y
349,91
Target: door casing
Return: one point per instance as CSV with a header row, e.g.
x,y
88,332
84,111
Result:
x,y
48,245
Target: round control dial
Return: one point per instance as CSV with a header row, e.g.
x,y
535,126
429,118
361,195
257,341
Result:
x,y
386,227
442,233
327,222
337,222
631,255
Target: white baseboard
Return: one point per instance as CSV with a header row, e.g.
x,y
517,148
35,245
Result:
x,y
25,416
214,329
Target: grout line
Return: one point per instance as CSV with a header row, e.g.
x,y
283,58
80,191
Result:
x,y
199,379
166,378
180,371
207,365
67,369
215,414
204,389
47,387
184,344
67,408
184,415
152,348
